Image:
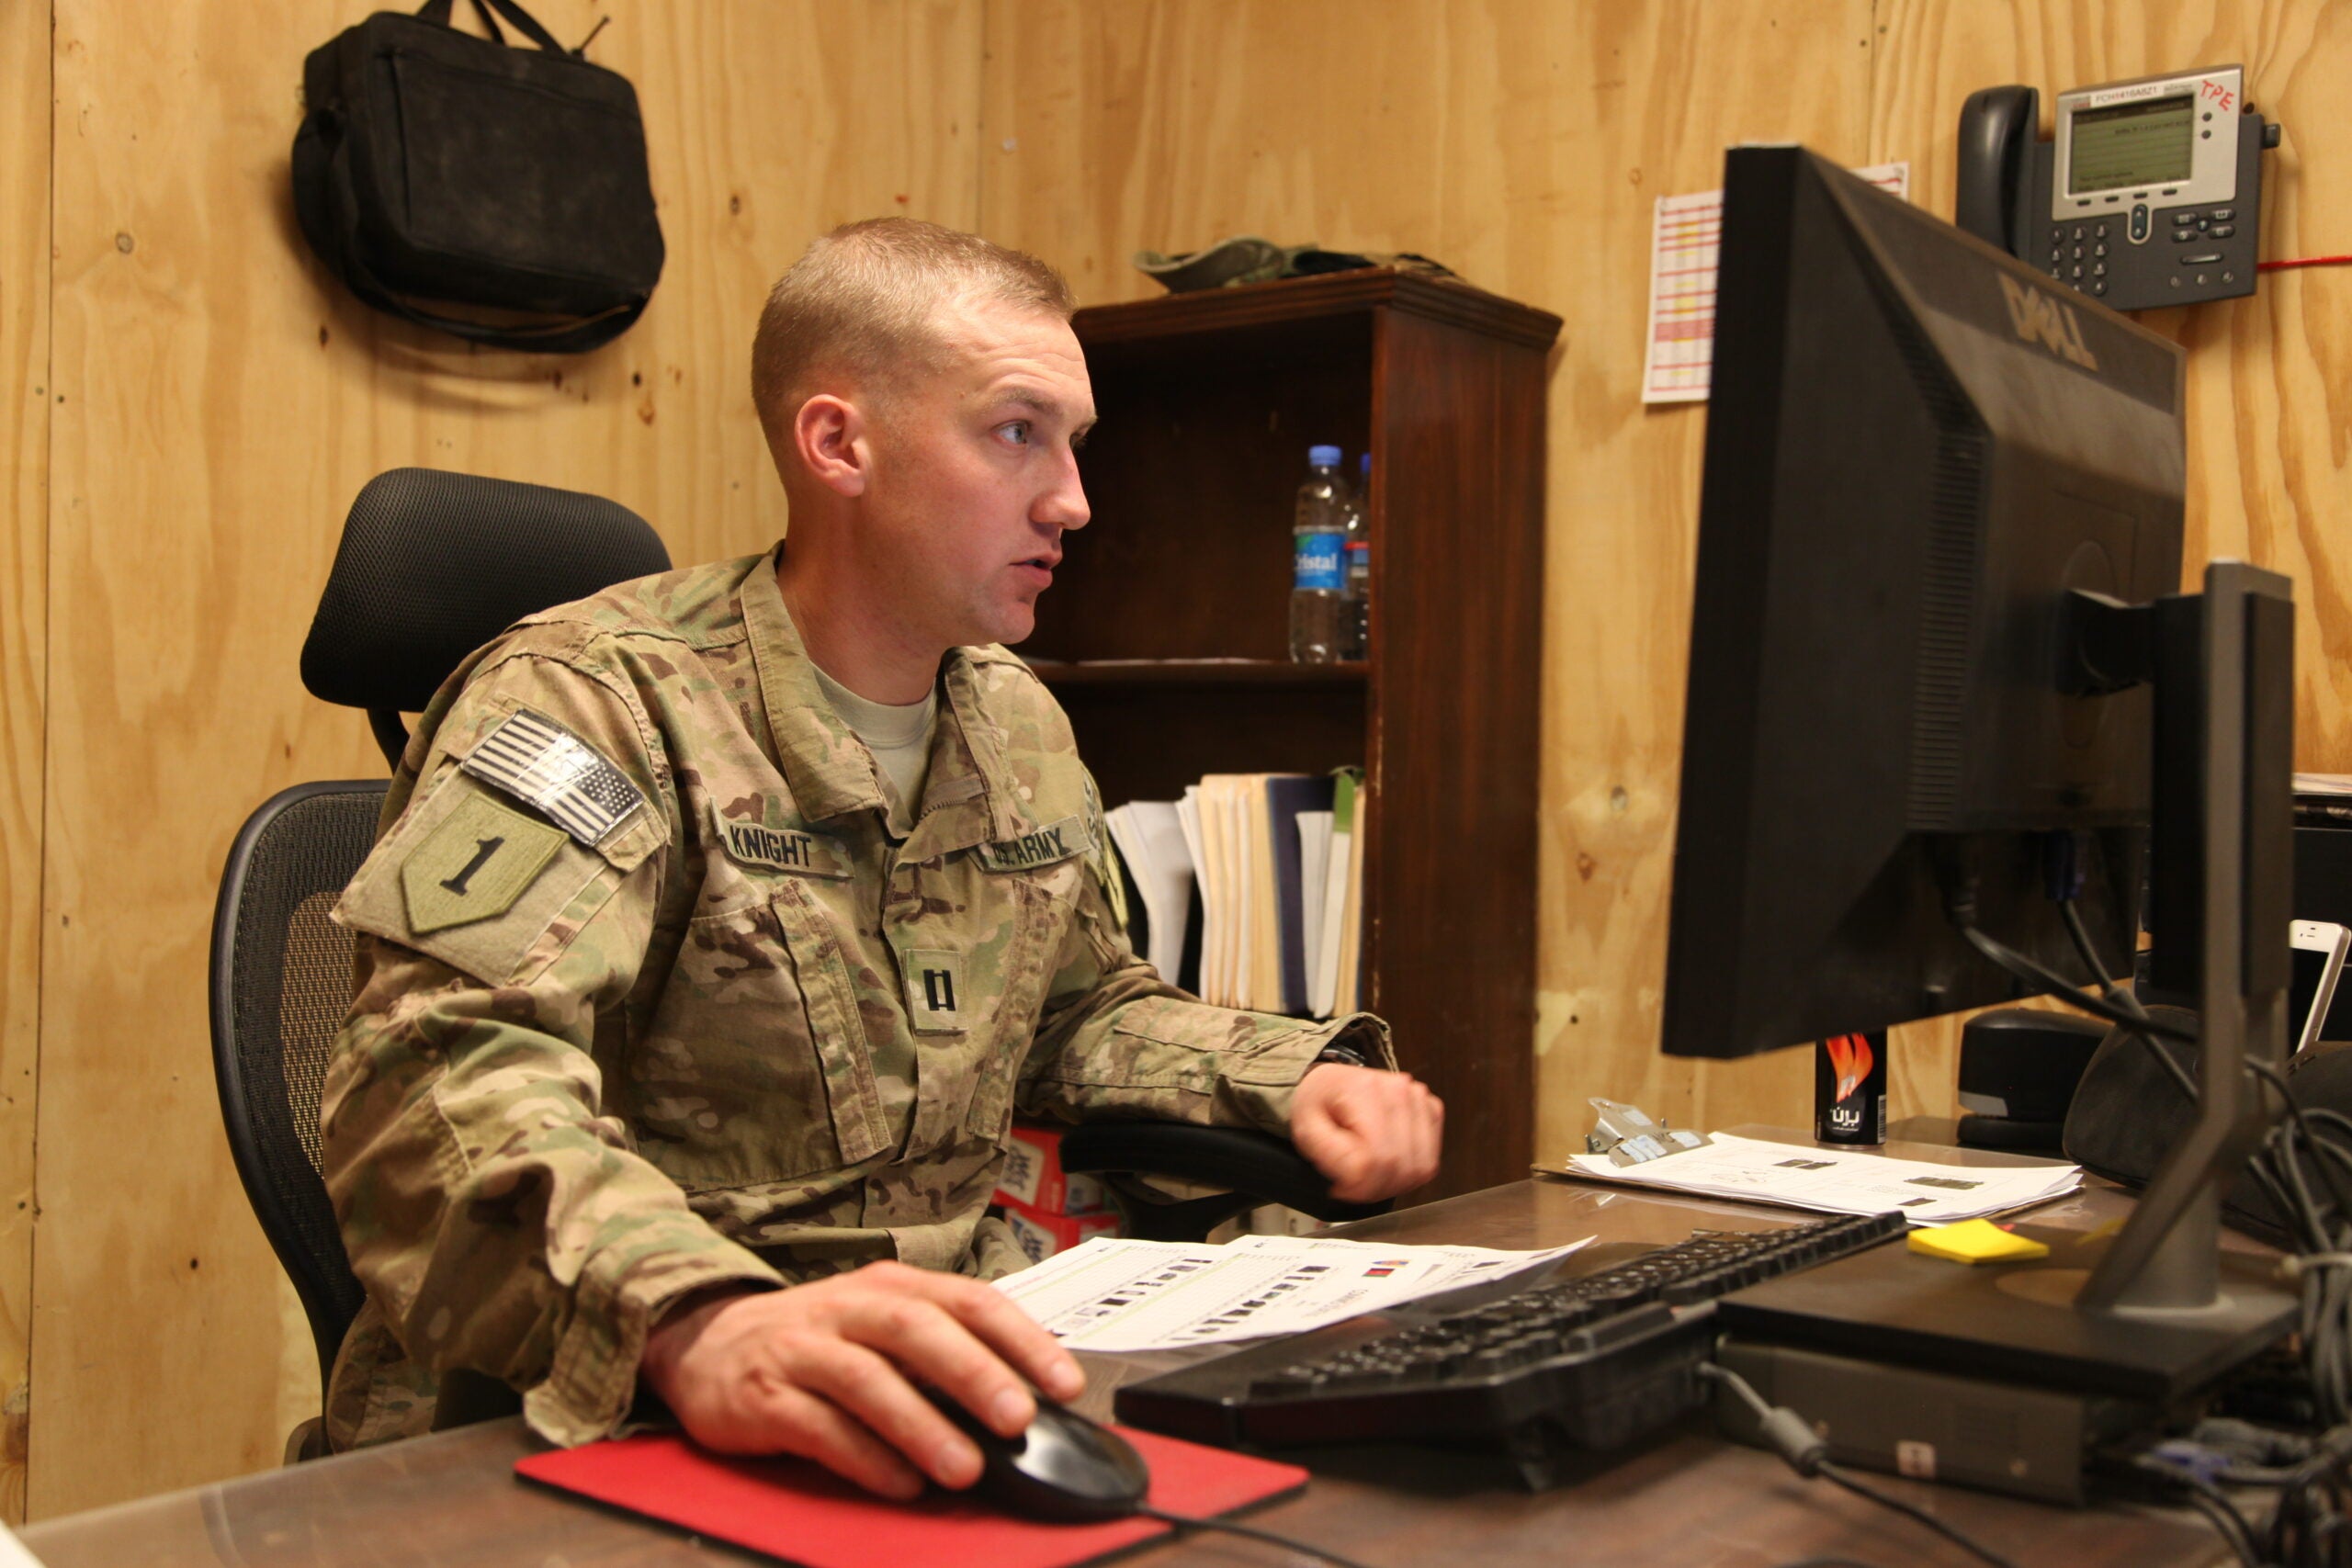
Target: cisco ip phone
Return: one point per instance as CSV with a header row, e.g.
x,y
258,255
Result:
x,y
2149,194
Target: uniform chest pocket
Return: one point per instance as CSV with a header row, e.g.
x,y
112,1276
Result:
x,y
754,1067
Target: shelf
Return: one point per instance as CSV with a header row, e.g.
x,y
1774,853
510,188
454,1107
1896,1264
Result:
x,y
1289,301
1058,673
1164,638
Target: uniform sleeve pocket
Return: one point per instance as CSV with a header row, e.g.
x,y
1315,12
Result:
x,y
476,881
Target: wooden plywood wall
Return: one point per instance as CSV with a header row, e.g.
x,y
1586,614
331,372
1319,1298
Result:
x,y
215,402
211,402
24,518
1521,141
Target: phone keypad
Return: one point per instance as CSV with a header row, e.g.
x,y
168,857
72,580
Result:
x,y
2078,251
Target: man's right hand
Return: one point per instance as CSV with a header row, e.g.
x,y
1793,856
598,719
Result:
x,y
822,1371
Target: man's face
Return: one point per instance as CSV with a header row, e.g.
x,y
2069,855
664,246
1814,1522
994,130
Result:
x,y
974,475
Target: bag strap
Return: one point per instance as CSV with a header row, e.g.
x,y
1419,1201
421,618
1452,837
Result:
x,y
438,13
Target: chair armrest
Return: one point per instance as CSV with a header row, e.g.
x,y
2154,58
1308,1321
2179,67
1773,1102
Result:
x,y
1257,1166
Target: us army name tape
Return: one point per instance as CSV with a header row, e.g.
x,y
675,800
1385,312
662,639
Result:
x,y
1055,840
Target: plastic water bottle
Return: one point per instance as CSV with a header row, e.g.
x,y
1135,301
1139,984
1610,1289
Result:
x,y
1319,577
1355,603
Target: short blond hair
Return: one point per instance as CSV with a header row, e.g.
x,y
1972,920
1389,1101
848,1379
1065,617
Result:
x,y
864,302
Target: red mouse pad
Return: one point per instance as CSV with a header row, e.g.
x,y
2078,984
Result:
x,y
802,1513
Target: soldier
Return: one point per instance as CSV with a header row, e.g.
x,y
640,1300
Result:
x,y
722,920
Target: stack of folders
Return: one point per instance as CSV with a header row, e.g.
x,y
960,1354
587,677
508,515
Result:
x,y
1249,892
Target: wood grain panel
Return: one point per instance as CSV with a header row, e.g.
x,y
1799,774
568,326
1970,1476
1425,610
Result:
x,y
1520,141
23,622
218,401
1457,537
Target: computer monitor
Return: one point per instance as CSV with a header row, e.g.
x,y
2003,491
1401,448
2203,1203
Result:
x,y
1941,677
1914,447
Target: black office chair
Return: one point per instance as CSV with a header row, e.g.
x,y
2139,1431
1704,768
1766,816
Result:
x,y
1254,1168
432,566
281,983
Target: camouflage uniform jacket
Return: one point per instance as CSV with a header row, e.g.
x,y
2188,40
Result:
x,y
650,1000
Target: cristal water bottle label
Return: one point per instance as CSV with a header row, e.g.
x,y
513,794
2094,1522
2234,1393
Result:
x,y
1314,561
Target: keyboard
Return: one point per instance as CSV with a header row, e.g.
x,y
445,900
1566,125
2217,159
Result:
x,y
1588,1364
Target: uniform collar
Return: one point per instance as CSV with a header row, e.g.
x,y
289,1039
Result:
x,y
820,756
966,796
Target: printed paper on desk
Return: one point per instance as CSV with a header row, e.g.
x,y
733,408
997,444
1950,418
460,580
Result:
x,y
1839,1181
1121,1295
1686,238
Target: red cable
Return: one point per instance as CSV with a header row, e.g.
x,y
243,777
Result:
x,y
2302,261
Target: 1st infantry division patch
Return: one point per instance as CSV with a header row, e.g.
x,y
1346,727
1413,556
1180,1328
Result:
x,y
475,865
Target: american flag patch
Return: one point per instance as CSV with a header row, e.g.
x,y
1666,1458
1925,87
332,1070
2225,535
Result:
x,y
537,760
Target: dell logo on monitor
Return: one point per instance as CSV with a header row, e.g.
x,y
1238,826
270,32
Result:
x,y
2038,315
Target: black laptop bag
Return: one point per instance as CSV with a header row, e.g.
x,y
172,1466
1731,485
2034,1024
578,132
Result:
x,y
497,193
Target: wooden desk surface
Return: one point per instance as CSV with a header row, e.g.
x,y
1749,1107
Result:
x,y
1685,1501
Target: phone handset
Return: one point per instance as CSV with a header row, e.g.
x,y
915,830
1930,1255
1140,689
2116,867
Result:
x,y
1997,126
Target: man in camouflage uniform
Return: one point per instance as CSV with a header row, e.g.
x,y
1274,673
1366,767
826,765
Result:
x,y
686,975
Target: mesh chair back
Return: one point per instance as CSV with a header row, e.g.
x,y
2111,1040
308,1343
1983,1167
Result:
x,y
433,565
281,983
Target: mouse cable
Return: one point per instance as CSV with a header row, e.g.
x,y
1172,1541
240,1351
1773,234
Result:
x,y
1183,1523
1785,1433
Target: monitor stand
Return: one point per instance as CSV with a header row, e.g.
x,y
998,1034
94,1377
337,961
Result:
x,y
2156,1311
2020,1322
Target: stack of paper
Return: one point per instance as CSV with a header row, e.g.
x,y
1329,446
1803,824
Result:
x,y
1276,861
1108,1294
1150,841
1839,1181
1335,986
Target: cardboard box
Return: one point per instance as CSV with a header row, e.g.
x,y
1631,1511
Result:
x,y
1032,1176
1042,1235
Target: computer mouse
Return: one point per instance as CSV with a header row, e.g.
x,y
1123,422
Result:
x,y
1064,1469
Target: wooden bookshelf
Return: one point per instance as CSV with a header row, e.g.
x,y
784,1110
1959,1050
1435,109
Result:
x,y
1165,638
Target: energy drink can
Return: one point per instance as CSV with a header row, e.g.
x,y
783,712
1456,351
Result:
x,y
1850,1089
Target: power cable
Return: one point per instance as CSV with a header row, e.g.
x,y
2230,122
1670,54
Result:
x,y
1786,1433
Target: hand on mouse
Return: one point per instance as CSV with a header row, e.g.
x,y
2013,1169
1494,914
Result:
x,y
822,1369
1374,1134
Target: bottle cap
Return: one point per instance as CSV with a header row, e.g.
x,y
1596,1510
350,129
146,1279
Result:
x,y
1323,456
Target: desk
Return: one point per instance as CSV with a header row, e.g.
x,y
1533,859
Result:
x,y
1685,1501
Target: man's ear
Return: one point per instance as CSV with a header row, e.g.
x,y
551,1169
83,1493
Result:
x,y
829,437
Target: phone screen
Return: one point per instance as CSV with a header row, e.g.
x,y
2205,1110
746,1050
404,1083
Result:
x,y
2131,144
2310,963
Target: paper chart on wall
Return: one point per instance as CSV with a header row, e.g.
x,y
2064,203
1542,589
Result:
x,y
1686,235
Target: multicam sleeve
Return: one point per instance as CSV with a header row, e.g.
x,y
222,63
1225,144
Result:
x,y
1116,1040
500,1221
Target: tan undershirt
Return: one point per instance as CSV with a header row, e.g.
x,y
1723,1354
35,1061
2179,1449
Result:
x,y
900,737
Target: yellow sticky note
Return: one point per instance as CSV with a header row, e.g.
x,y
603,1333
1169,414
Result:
x,y
1975,1241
